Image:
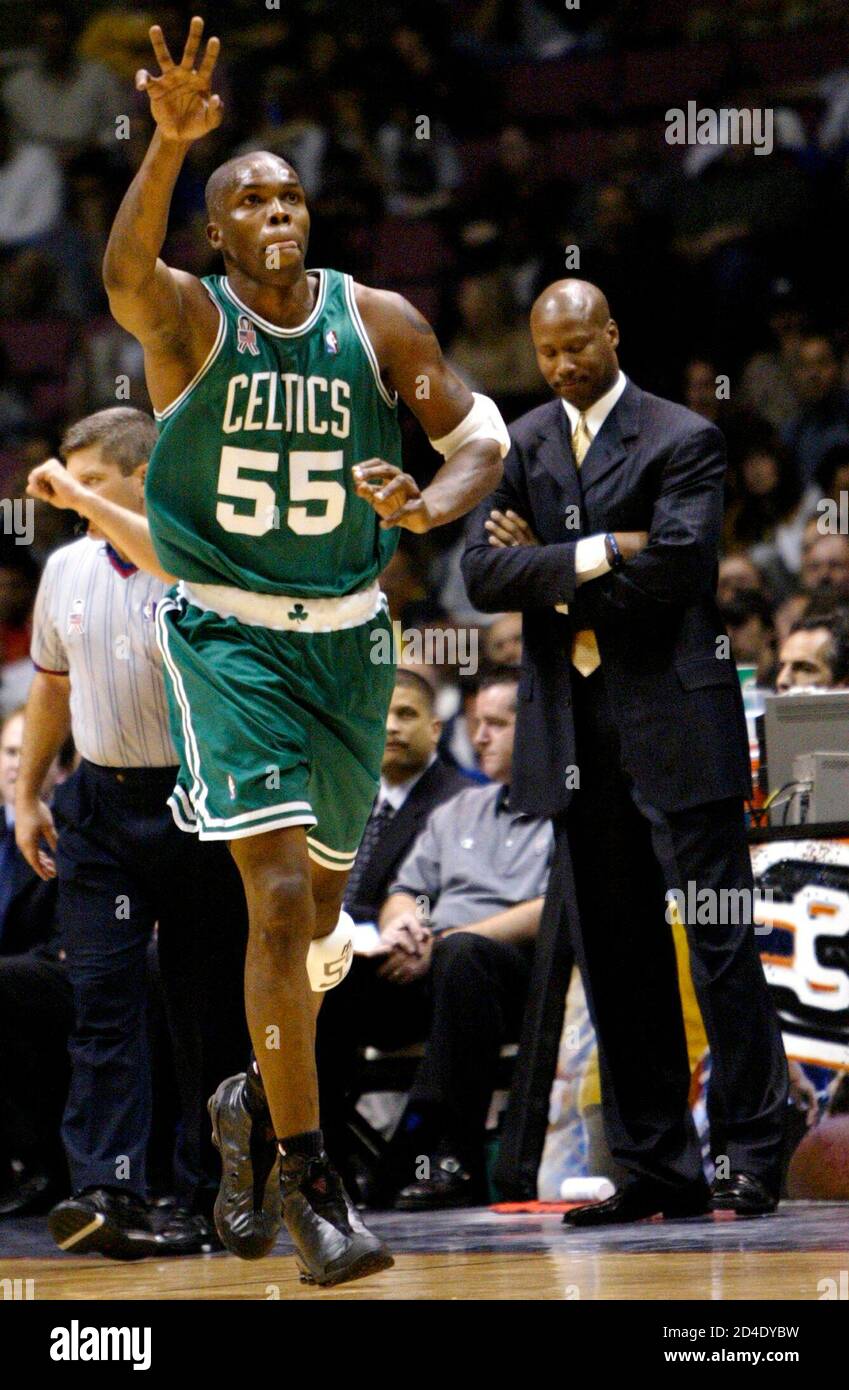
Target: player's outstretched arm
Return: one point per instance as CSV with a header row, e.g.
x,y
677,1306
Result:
x,y
167,310
412,363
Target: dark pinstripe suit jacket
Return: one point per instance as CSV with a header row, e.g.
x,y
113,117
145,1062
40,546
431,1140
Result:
x,y
653,466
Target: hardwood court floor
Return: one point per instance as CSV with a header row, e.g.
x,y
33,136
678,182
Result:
x,y
478,1254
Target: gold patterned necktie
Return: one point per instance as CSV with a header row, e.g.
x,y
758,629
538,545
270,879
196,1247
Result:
x,y
586,657
581,440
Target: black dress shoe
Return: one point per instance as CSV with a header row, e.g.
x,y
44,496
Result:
x,y
332,1244
115,1224
450,1185
185,1232
30,1196
639,1200
742,1194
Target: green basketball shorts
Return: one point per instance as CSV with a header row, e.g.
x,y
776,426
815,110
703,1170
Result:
x,y
278,709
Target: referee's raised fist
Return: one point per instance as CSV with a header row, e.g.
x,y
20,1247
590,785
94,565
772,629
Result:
x,y
181,99
51,482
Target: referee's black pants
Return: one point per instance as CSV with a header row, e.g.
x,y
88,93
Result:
x,y
625,856
123,866
468,1005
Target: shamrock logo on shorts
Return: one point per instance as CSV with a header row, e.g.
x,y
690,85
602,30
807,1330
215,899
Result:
x,y
299,613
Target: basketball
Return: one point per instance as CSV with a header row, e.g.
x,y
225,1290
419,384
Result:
x,y
819,1169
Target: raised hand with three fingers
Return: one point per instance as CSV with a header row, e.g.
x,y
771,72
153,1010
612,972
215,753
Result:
x,y
181,99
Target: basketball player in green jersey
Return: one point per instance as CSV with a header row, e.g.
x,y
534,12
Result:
x,y
274,497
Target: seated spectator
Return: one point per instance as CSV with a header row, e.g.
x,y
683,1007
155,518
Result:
x,y
14,408
414,781
118,40
825,566
768,514
457,704
503,640
815,655
740,426
492,351
106,354
61,99
788,613
456,946
730,220
36,1013
768,382
18,585
414,75
833,474
446,578
288,125
79,243
736,573
822,419
30,188
419,176
824,578
36,331
404,582
748,619
515,229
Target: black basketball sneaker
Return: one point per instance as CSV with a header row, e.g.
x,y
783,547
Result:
x,y
247,1208
332,1244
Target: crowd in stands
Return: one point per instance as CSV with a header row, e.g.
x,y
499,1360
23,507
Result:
x,y
467,156
434,168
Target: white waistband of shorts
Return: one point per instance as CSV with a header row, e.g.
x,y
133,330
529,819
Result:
x,y
282,613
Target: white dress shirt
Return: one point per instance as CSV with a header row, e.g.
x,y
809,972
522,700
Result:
x,y
590,553
397,794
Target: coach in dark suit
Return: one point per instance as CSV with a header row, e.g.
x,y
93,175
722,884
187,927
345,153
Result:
x,y
631,734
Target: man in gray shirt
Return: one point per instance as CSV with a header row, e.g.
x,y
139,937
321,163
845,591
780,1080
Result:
x,y
457,933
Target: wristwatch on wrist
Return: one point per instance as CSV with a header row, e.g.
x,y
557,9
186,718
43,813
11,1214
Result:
x,y
614,554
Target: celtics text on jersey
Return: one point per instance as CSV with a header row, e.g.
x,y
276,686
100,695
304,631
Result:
x,y
250,482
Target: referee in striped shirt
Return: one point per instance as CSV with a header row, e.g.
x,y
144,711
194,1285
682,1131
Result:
x,y
123,866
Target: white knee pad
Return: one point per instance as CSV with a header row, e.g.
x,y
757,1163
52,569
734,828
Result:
x,y
329,958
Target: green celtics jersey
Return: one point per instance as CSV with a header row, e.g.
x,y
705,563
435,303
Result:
x,y
250,481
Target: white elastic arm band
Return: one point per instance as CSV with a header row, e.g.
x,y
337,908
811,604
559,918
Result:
x,y
483,421
329,958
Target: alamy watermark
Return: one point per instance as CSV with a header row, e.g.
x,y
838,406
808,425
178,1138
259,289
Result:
x,y
727,126
833,515
715,907
428,646
82,1343
17,518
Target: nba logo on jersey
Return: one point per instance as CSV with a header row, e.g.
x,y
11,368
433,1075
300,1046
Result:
x,y
331,341
231,786
149,611
247,336
75,617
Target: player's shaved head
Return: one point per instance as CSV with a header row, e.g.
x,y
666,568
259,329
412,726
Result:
x,y
575,340
571,299
226,179
258,218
